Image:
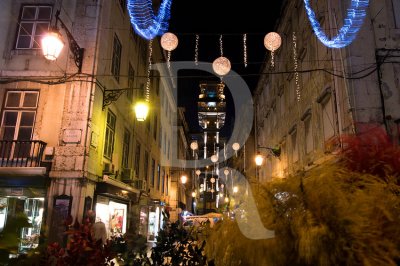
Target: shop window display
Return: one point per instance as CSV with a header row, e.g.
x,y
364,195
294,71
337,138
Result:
x,y
113,215
33,209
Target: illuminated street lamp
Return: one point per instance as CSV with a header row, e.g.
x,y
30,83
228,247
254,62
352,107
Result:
x,y
52,44
141,110
183,179
193,194
259,159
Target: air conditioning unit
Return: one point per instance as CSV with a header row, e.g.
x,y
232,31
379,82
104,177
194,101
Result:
x,y
140,184
108,168
127,174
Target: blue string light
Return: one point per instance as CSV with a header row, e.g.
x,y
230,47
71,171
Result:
x,y
143,20
352,24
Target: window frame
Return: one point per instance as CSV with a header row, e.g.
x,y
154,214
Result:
x,y
110,140
35,23
125,148
116,58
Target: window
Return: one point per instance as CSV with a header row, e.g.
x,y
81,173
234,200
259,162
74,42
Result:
x,y
155,81
116,58
110,133
122,3
155,133
19,117
163,180
131,82
33,24
396,12
158,175
295,152
309,145
146,165
125,149
166,187
153,172
327,118
137,159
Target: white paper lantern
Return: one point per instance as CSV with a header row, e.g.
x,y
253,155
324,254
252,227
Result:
x,y
212,180
169,41
272,41
226,172
194,145
214,158
221,66
198,172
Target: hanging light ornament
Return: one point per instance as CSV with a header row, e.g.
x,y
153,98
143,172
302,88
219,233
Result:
x,y
245,49
226,172
236,147
352,24
221,65
194,146
296,65
169,42
212,180
272,41
198,172
145,22
214,158
196,50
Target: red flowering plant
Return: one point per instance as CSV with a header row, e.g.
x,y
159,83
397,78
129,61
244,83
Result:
x,y
81,249
372,152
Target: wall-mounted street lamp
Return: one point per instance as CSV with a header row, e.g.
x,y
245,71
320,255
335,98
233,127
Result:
x,y
141,107
183,179
52,43
259,159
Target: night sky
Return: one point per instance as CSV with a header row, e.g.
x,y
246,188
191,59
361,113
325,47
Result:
x,y
209,19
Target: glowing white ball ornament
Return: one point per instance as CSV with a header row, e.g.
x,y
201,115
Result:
x,y
198,172
194,145
169,41
272,41
214,158
212,180
226,172
221,66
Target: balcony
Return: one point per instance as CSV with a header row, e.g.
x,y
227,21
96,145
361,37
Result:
x,y
21,153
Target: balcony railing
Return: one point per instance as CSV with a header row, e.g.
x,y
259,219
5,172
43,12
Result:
x,y
21,153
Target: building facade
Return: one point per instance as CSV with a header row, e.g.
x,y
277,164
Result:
x,y
69,139
337,91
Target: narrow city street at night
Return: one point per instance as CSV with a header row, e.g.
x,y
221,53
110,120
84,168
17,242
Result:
x,y
209,133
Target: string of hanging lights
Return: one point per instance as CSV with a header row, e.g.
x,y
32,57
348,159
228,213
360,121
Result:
x,y
145,22
295,61
352,24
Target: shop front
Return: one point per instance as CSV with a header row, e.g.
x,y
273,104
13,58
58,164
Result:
x,y
155,219
113,207
23,198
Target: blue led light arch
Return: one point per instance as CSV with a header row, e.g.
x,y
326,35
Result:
x,y
352,24
145,22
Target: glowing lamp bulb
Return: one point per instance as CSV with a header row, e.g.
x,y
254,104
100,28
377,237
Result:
x,y
226,199
259,159
221,66
141,110
235,189
193,194
52,45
